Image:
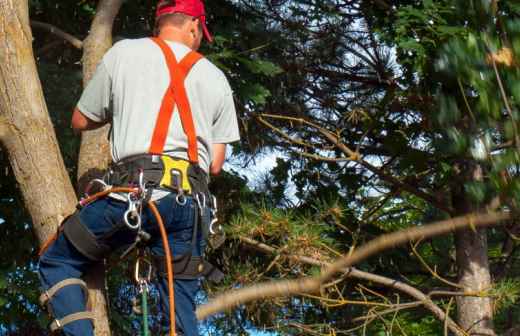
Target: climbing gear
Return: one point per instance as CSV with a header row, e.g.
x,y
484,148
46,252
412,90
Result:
x,y
82,239
159,172
139,175
166,247
133,215
143,281
169,266
49,294
175,95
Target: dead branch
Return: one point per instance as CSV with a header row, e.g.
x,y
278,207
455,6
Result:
x,y
280,288
352,272
356,157
76,42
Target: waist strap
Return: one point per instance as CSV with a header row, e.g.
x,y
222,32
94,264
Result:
x,y
160,171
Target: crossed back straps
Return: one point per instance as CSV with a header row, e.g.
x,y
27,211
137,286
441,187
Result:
x,y
175,95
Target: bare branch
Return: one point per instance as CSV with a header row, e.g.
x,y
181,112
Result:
x,y
273,289
77,43
355,156
352,272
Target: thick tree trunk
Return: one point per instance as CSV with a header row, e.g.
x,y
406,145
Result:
x,y
25,126
94,155
474,314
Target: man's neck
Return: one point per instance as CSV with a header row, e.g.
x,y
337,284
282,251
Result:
x,y
174,35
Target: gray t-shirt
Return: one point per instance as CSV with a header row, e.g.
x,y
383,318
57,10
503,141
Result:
x,y
130,82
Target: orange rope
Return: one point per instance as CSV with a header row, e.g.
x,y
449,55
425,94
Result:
x,y
169,266
83,202
48,243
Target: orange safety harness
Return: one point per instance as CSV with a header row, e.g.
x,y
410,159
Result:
x,y
175,95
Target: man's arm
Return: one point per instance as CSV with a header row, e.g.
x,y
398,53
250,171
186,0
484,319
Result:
x,y
219,156
81,123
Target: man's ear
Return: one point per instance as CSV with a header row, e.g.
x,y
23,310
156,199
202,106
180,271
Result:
x,y
194,26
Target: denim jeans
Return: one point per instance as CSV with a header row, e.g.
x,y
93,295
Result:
x,y
104,218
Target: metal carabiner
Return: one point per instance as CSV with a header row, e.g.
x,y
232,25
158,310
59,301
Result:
x,y
131,214
201,204
146,277
104,186
141,181
214,210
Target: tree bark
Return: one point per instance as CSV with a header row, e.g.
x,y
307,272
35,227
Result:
x,y
26,129
94,155
474,314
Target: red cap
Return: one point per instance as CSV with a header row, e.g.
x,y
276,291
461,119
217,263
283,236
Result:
x,y
193,8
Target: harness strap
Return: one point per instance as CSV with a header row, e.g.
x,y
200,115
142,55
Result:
x,y
83,239
189,268
49,293
58,324
175,95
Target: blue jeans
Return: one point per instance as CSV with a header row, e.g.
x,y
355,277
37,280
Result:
x,y
62,260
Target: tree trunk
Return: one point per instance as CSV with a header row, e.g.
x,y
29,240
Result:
x,y
94,155
26,129
474,314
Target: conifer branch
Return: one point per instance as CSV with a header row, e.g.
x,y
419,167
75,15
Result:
x,y
280,288
354,156
353,272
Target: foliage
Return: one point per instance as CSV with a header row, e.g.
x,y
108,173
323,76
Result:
x,y
410,85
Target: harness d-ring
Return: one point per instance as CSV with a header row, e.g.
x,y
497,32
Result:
x,y
181,199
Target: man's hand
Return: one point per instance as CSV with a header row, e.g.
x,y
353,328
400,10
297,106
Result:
x,y
219,156
82,123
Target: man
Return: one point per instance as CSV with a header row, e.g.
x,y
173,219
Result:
x,y
163,101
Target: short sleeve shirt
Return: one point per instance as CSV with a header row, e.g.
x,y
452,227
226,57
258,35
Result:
x,y
127,89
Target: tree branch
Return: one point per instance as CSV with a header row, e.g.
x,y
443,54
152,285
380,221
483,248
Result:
x,y
273,289
352,272
77,43
355,156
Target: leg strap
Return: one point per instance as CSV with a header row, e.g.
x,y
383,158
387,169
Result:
x,y
58,324
48,294
188,267
84,240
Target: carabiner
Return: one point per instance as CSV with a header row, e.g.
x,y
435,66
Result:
x,y
214,210
147,276
202,204
132,213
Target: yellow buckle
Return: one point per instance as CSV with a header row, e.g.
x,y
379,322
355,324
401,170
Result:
x,y
177,168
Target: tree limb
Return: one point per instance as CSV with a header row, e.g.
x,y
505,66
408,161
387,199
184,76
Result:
x,y
76,42
355,156
352,272
273,289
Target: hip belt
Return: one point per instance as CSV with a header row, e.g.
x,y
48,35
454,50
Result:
x,y
159,171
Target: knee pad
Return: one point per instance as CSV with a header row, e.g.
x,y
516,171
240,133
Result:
x,y
83,240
